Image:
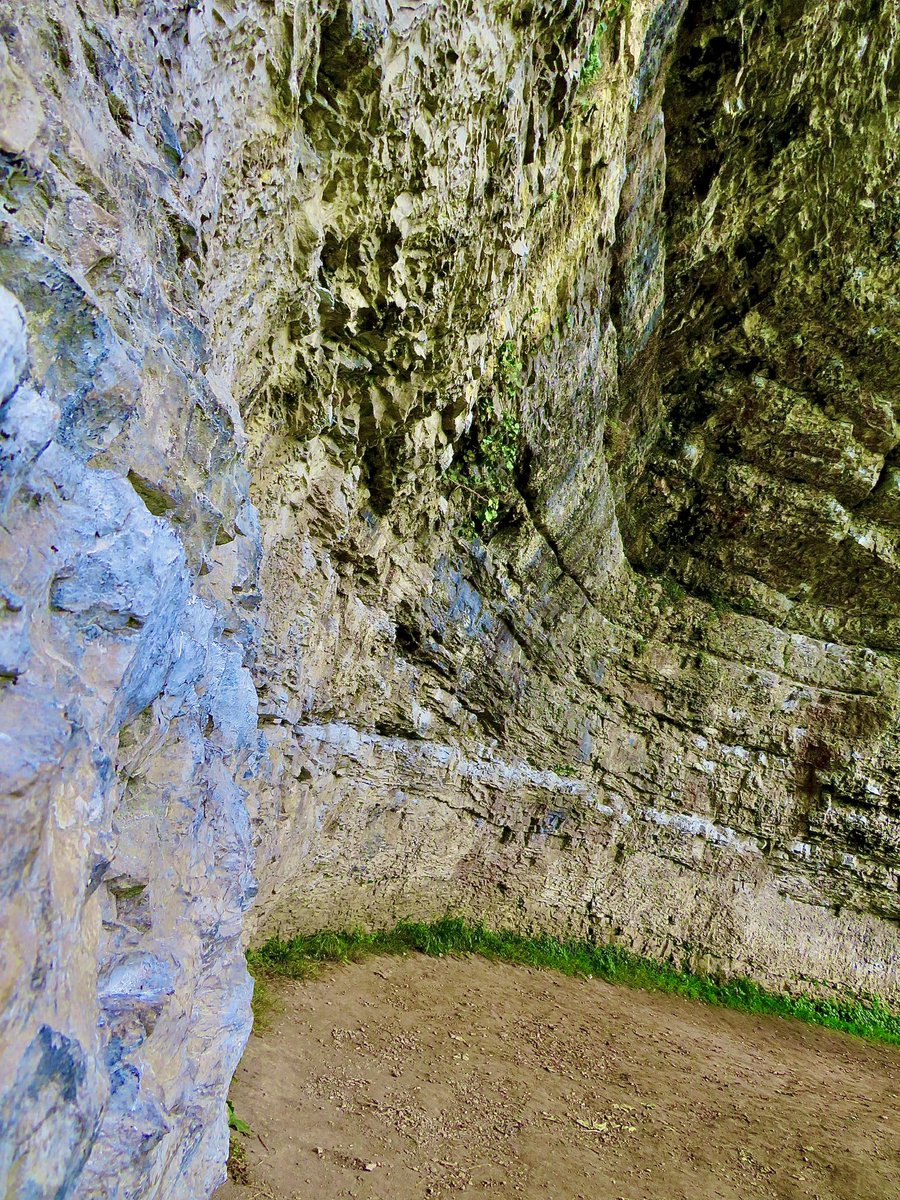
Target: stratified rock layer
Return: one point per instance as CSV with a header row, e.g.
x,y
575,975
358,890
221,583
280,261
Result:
x,y
559,724
559,550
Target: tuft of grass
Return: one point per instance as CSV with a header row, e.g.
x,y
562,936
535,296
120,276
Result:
x,y
264,1002
303,957
237,1165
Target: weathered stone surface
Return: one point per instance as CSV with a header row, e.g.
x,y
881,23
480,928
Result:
x,y
736,802
127,710
771,484
559,549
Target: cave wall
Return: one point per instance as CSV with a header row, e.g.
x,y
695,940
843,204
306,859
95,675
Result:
x,y
553,717
776,475
448,464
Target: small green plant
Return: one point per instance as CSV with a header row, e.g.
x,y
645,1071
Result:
x,y
592,66
484,471
235,1122
302,957
509,367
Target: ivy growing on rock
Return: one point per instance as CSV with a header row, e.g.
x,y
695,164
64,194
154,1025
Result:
x,y
592,66
483,473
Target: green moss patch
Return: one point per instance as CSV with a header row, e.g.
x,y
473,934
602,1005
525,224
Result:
x,y
303,957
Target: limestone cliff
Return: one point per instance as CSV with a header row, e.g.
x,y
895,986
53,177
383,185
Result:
x,y
449,461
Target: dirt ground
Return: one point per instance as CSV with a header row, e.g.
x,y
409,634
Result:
x,y
407,1078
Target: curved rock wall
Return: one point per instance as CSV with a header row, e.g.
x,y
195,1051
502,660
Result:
x,y
548,715
569,599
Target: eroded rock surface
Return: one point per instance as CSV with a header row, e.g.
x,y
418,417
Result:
x,y
129,575
503,398
571,722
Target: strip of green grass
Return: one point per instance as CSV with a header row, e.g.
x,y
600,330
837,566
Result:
x,y
302,958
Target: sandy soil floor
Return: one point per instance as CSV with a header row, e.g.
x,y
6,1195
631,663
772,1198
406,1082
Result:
x,y
408,1078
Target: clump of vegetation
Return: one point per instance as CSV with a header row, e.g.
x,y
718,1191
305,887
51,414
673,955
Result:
x,y
485,469
673,594
303,957
592,66
263,1004
237,1165
509,366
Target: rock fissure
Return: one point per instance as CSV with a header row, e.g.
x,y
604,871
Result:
x,y
554,546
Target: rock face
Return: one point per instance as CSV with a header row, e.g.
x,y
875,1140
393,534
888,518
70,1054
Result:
x,y
129,588
449,462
